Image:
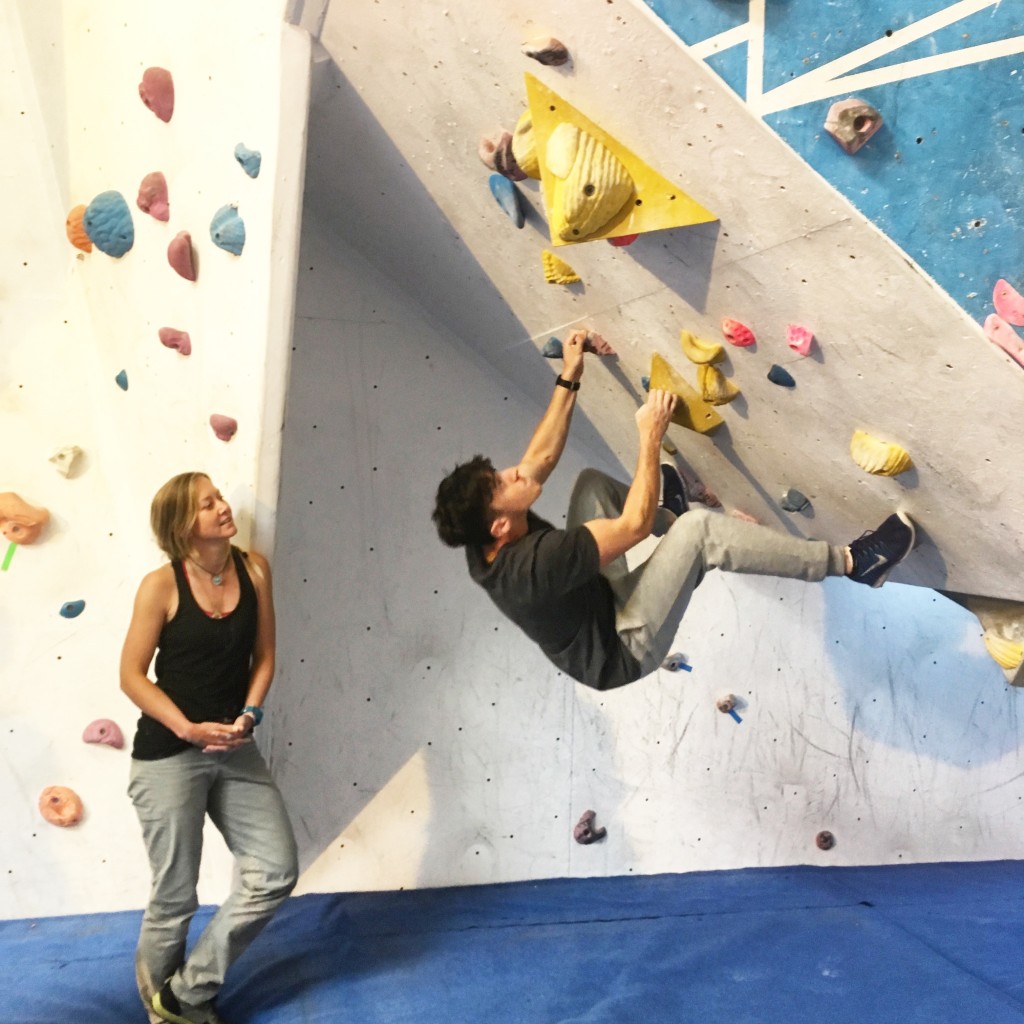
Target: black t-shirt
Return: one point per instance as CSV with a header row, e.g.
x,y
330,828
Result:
x,y
549,584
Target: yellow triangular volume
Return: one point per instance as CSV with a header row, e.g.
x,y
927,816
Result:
x,y
691,410
594,187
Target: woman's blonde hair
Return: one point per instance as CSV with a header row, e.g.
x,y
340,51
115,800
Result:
x,y
173,514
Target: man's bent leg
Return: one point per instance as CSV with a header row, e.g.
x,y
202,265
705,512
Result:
x,y
654,596
599,496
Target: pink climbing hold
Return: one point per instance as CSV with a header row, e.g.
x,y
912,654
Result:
x,y
223,426
60,806
498,156
621,241
153,196
596,344
104,731
157,91
736,333
585,833
1009,303
743,517
1002,335
181,257
799,339
178,340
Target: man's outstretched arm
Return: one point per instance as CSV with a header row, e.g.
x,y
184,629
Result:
x,y
548,441
616,536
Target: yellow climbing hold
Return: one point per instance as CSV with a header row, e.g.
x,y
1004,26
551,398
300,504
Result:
x,y
591,185
1007,653
714,386
691,410
523,147
592,188
883,458
557,271
699,351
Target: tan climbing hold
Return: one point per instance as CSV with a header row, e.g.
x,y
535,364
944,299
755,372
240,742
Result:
x,y
1008,654
691,410
715,387
699,351
557,271
883,458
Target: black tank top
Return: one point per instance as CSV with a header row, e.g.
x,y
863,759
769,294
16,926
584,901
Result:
x,y
202,664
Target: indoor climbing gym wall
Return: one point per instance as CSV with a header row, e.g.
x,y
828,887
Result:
x,y
806,219
152,172
807,222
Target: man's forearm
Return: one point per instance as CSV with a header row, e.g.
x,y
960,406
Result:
x,y
642,498
548,441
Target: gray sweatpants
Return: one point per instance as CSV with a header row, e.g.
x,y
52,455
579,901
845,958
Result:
x,y
172,797
650,599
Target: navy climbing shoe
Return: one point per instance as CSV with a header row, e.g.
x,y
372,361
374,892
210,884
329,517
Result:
x,y
877,552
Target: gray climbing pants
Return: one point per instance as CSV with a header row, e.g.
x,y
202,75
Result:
x,y
172,797
651,598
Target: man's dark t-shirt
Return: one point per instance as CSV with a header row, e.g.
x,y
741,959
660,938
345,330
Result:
x,y
549,584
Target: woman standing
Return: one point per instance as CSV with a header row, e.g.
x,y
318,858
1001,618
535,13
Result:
x,y
208,616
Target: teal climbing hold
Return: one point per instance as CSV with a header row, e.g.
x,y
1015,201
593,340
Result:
x,y
250,159
552,349
228,230
507,195
108,223
122,380
72,609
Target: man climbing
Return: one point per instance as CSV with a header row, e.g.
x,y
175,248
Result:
x,y
570,590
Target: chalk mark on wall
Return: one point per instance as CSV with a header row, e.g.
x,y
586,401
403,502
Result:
x,y
834,78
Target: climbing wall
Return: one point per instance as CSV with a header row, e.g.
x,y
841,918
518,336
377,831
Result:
x,y
428,743
84,377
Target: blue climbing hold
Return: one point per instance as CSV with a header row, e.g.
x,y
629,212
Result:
x,y
122,380
777,375
508,198
552,349
108,223
228,230
250,159
645,383
72,609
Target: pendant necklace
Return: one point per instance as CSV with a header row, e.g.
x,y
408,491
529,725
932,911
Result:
x,y
216,578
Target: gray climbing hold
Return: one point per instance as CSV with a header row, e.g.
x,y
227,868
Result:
x,y
795,501
250,159
122,380
552,349
228,230
108,223
72,609
507,195
777,375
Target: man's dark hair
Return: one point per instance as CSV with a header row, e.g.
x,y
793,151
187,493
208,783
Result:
x,y
462,510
